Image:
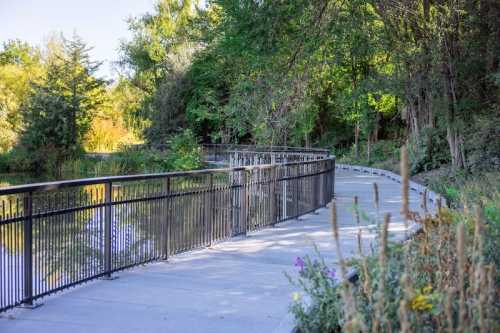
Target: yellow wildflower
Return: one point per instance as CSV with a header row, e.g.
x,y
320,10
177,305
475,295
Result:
x,y
427,289
296,296
421,303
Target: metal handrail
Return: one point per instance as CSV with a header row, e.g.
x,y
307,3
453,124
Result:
x,y
266,148
54,185
55,235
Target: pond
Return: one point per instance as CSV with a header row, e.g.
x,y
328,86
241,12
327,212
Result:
x,y
20,178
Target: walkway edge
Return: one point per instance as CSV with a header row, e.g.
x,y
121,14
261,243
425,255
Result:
x,y
416,187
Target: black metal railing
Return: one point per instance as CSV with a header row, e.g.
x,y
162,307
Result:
x,y
59,234
223,152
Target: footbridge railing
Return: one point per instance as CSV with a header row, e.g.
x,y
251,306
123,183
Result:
x,y
61,234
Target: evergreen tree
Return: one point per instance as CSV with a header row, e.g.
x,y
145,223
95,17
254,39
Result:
x,y
58,111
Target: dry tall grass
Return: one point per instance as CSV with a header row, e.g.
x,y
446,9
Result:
x,y
436,281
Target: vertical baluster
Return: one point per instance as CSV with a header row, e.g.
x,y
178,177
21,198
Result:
x,y
167,221
211,208
243,202
273,184
108,188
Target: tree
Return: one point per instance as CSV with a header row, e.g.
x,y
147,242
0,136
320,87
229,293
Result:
x,y
446,54
324,72
156,59
58,111
20,64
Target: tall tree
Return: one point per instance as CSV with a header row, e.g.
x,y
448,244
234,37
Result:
x,y
20,64
57,113
156,60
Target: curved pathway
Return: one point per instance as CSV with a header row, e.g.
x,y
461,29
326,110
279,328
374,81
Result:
x,y
235,286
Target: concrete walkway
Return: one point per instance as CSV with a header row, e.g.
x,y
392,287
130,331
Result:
x,y
236,286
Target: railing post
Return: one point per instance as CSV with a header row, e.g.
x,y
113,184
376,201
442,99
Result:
x,y
323,184
296,190
28,250
166,241
284,190
315,188
209,210
243,202
272,184
333,178
108,189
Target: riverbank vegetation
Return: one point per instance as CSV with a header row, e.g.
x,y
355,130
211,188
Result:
x,y
443,279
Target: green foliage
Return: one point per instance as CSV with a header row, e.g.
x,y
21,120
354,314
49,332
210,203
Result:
x,y
132,160
322,72
4,163
184,152
341,74
19,64
383,153
58,111
428,152
467,191
157,57
320,311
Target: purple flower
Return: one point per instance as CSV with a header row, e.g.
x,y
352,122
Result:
x,y
330,273
299,263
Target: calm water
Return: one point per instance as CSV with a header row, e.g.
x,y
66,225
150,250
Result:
x,y
11,179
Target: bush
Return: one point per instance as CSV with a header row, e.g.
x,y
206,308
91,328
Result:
x,y
381,151
4,163
19,160
429,152
184,152
107,135
134,160
320,312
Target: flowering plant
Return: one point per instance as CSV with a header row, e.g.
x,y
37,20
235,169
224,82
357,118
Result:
x,y
315,307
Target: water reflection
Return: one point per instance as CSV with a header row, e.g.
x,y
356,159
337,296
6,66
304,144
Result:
x,y
148,220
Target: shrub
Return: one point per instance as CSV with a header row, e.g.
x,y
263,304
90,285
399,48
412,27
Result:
x,y
107,135
382,152
320,312
4,162
442,280
19,160
428,152
184,152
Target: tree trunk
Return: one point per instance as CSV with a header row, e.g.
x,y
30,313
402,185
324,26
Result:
x,y
453,134
450,55
368,148
456,144
356,141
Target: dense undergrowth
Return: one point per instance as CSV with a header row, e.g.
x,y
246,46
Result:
x,y
183,153
443,280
